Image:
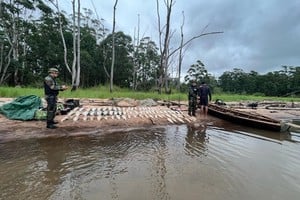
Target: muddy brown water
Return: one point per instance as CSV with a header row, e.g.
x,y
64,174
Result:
x,y
215,160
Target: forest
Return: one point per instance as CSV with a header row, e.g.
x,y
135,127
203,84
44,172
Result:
x,y
36,35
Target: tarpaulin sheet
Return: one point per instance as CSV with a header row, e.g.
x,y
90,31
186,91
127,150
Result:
x,y
22,108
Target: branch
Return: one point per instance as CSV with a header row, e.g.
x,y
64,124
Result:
x,y
193,38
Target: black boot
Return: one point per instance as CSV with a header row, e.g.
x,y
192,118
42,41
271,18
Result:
x,y
51,126
50,121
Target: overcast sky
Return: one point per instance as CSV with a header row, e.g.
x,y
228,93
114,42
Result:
x,y
258,35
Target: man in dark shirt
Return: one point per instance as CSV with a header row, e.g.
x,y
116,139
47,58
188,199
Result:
x,y
205,95
52,89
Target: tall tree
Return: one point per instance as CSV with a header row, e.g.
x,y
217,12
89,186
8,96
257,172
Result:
x,y
198,73
123,65
60,21
164,40
180,58
147,60
14,25
113,49
164,44
136,43
76,46
77,81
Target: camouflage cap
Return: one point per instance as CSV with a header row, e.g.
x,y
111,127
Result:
x,y
193,82
52,69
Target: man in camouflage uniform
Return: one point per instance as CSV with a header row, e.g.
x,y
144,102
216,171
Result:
x,y
52,89
192,96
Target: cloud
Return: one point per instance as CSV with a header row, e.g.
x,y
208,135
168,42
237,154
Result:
x,y
258,35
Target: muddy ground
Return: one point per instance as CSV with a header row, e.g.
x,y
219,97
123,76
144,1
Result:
x,y
16,129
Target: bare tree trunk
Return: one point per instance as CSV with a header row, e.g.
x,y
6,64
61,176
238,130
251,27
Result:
x,y
136,63
169,4
4,76
75,70
160,69
78,46
1,58
62,37
113,49
180,52
74,49
15,46
24,53
103,50
164,47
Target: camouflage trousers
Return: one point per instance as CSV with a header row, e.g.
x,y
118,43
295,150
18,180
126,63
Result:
x,y
51,109
192,106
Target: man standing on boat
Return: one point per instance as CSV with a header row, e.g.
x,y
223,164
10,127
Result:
x,y
205,95
192,96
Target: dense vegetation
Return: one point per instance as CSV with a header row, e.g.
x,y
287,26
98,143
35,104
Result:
x,y
31,42
103,92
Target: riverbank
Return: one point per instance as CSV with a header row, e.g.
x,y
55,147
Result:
x,y
116,115
125,115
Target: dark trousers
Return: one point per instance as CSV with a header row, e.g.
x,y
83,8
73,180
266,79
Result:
x,y
51,109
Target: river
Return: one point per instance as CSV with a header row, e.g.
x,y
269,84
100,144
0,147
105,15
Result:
x,y
215,160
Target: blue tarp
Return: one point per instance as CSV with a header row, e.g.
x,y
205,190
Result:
x,y
22,108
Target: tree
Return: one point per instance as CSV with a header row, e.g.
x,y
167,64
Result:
x,y
164,40
146,59
164,44
15,26
11,24
180,52
76,47
113,49
197,72
295,79
123,58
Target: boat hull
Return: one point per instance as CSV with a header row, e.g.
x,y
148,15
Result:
x,y
244,118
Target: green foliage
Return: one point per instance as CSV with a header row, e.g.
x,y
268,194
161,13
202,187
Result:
x,y
237,98
277,83
146,62
197,72
104,93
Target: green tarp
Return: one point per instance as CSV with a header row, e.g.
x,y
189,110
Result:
x,y
22,108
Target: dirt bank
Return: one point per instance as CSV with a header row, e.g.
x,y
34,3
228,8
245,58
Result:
x,y
133,116
124,116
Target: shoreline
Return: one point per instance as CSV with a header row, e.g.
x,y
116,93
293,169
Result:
x,y
136,117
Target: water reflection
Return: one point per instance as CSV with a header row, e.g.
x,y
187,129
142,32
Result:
x,y
207,160
196,139
55,155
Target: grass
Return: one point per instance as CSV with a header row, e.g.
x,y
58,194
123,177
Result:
x,y
95,92
238,97
102,92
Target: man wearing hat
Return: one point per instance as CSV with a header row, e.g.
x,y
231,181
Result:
x,y
52,89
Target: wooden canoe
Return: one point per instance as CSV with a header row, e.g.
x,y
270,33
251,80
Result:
x,y
245,118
